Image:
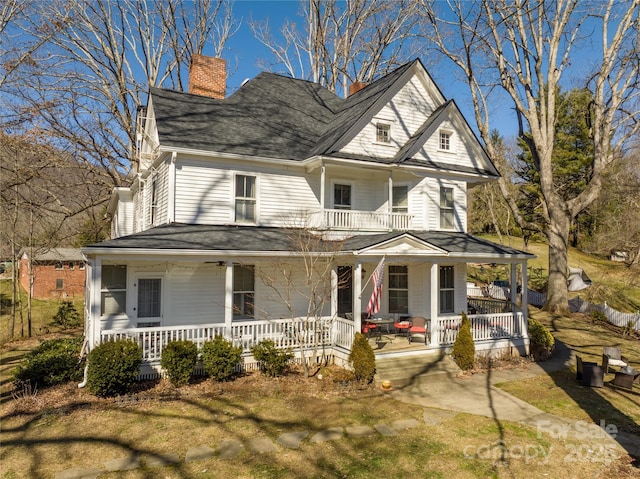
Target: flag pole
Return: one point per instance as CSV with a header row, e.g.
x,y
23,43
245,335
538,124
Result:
x,y
371,275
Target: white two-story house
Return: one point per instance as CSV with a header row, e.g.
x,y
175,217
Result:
x,y
277,203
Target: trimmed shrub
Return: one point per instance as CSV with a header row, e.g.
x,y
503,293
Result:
x,y
362,359
113,367
541,341
55,361
220,358
273,362
464,349
67,316
178,360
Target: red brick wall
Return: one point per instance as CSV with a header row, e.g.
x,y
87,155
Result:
x,y
208,76
45,277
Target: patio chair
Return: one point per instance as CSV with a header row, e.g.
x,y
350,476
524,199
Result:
x,y
612,357
580,364
402,326
418,329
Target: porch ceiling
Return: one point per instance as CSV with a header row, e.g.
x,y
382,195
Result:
x,y
202,240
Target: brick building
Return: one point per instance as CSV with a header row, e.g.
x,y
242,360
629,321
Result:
x,y
57,273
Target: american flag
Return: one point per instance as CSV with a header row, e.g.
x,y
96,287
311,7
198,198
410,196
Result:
x,y
377,279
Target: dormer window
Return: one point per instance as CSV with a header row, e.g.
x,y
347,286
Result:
x,y
383,133
445,141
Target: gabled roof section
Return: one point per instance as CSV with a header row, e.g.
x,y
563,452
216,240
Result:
x,y
270,116
361,105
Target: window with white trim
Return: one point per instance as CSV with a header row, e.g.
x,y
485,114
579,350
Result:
x,y
383,133
342,196
445,141
447,291
113,290
153,205
59,265
446,208
245,199
400,199
149,297
243,291
398,289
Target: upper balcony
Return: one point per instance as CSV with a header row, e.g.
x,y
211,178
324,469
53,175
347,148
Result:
x,y
354,220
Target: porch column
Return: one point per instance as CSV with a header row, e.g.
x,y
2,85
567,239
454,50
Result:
x,y
434,299
322,187
228,298
525,299
514,283
357,297
95,304
334,290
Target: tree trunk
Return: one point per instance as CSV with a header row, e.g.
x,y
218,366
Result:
x,y
557,232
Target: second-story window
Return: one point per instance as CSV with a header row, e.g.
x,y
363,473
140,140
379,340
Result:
x,y
342,197
446,208
383,133
400,200
245,199
153,215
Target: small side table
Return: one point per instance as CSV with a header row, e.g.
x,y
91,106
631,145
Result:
x,y
626,377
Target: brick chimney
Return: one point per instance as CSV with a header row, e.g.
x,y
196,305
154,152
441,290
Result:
x,y
356,86
208,76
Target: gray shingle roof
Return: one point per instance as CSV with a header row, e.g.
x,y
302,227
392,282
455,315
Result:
x,y
270,116
238,239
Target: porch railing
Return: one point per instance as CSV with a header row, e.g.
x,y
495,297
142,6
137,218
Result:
x,y
285,333
483,327
361,220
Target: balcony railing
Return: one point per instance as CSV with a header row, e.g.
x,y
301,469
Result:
x,y
361,220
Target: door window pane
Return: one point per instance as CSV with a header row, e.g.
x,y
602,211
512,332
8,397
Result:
x,y
149,298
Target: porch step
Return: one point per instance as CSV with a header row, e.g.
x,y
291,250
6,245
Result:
x,y
403,370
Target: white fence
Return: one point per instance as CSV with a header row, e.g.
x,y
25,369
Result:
x,y
576,305
623,320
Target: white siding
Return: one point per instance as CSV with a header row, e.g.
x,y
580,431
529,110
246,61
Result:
x,y
205,192
162,200
122,223
464,149
406,112
432,203
196,294
273,292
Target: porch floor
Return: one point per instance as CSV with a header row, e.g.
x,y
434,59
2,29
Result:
x,y
390,343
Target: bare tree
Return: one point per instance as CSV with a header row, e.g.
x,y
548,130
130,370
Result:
x,y
99,63
45,194
523,48
343,42
303,285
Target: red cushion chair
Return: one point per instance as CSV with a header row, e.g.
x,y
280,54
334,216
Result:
x,y
402,327
418,329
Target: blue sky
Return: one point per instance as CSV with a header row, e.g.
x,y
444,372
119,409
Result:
x,y
243,52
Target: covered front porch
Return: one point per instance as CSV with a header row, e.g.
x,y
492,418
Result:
x,y
312,302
